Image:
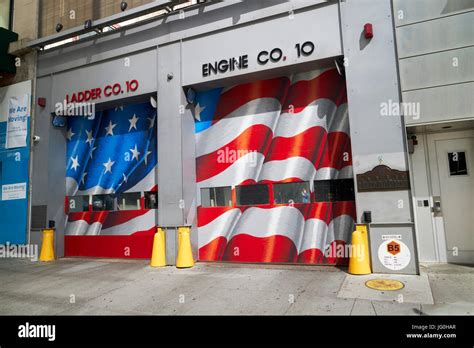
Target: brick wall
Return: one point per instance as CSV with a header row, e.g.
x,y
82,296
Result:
x,y
25,24
72,13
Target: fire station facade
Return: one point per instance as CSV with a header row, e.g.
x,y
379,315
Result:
x,y
268,128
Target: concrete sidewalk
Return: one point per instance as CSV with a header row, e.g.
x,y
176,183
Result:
x,y
91,286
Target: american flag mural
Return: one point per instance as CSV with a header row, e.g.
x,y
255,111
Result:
x,y
112,153
297,129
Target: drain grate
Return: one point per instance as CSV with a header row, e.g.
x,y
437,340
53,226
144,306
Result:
x,y
384,284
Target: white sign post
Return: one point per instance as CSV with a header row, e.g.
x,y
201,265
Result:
x,y
17,122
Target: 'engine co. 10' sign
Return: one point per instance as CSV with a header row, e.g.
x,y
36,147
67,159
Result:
x,y
274,55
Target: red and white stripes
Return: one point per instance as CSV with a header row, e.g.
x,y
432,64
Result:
x,y
283,130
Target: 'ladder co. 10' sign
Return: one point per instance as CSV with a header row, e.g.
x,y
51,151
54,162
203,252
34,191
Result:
x,y
97,93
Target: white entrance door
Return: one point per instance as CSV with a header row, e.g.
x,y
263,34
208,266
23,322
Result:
x,y
454,172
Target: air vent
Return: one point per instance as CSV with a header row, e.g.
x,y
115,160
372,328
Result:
x,y
38,217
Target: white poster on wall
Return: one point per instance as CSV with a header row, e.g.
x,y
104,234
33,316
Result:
x,y
14,191
17,122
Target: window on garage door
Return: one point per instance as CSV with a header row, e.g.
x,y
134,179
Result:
x,y
334,190
103,202
289,193
216,196
252,194
78,204
129,201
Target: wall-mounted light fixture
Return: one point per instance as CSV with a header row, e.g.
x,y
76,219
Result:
x,y
190,95
42,102
368,31
58,121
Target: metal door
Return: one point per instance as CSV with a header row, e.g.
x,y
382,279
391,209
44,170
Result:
x,y
455,171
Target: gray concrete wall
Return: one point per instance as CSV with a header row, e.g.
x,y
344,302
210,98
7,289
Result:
x,y
283,31
49,169
376,138
203,20
435,40
139,66
372,79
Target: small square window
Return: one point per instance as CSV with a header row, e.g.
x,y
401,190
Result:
x,y
334,190
151,200
457,163
129,201
346,190
103,202
294,192
252,195
322,191
216,197
78,204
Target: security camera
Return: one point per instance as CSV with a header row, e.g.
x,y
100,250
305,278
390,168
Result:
x,y
59,27
36,139
123,5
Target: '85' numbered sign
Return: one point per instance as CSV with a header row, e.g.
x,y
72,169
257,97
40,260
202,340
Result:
x,y
394,254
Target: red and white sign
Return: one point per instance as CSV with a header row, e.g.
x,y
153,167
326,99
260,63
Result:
x,y
109,90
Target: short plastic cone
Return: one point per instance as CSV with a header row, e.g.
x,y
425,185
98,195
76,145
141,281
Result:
x,y
359,261
185,253
158,254
47,247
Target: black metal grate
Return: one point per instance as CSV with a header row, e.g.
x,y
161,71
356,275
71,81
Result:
x,y
38,216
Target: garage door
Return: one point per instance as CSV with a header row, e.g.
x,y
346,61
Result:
x,y
274,170
111,183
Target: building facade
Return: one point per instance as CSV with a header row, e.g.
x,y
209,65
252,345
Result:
x,y
436,76
17,82
270,128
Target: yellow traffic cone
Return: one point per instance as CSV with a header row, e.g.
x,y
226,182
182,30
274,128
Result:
x,y
365,235
359,262
158,254
185,253
47,247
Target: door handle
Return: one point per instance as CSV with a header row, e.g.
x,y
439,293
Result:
x,y
436,208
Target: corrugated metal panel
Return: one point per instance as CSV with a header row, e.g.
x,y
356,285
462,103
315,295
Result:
x,y
38,216
437,69
442,103
421,10
436,35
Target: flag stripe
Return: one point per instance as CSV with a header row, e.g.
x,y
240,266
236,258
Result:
x,y
254,139
242,94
